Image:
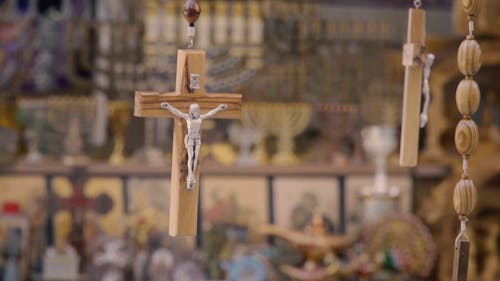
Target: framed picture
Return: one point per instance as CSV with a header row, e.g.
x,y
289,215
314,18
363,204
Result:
x,y
297,198
234,200
147,193
231,208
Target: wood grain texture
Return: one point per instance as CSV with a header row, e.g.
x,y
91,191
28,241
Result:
x,y
147,104
468,97
469,57
471,7
466,137
190,62
183,202
464,197
410,123
416,26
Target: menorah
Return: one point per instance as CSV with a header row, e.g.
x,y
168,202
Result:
x,y
283,120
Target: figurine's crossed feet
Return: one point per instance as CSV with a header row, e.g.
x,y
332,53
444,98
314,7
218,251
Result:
x,y
190,182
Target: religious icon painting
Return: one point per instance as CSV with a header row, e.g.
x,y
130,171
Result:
x,y
296,199
357,185
241,202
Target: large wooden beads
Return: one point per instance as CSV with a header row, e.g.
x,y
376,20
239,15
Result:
x,y
192,11
469,57
466,137
464,197
471,7
468,97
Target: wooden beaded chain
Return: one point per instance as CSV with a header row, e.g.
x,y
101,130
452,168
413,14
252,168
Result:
x,y
466,137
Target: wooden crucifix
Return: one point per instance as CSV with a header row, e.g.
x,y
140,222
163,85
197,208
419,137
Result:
x,y
417,64
188,105
78,204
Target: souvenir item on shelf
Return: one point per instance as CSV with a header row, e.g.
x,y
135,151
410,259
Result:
x,y
161,264
38,235
316,245
189,105
61,263
150,154
405,243
78,204
247,267
244,138
379,142
119,113
112,259
11,268
379,199
251,117
33,115
285,121
153,260
295,200
75,123
14,237
220,152
8,133
342,143
188,269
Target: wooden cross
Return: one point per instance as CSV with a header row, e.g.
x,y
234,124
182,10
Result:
x,y
190,88
78,178
413,60
77,204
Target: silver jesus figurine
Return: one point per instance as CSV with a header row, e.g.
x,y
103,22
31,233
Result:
x,y
192,140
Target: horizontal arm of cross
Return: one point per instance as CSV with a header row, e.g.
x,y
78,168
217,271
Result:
x,y
147,104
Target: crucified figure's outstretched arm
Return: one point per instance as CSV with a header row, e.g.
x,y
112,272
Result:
x,y
214,111
173,110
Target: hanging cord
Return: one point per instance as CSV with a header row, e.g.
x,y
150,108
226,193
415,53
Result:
x,y
417,4
191,34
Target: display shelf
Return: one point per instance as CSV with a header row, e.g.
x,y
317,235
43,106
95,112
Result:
x,y
102,169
